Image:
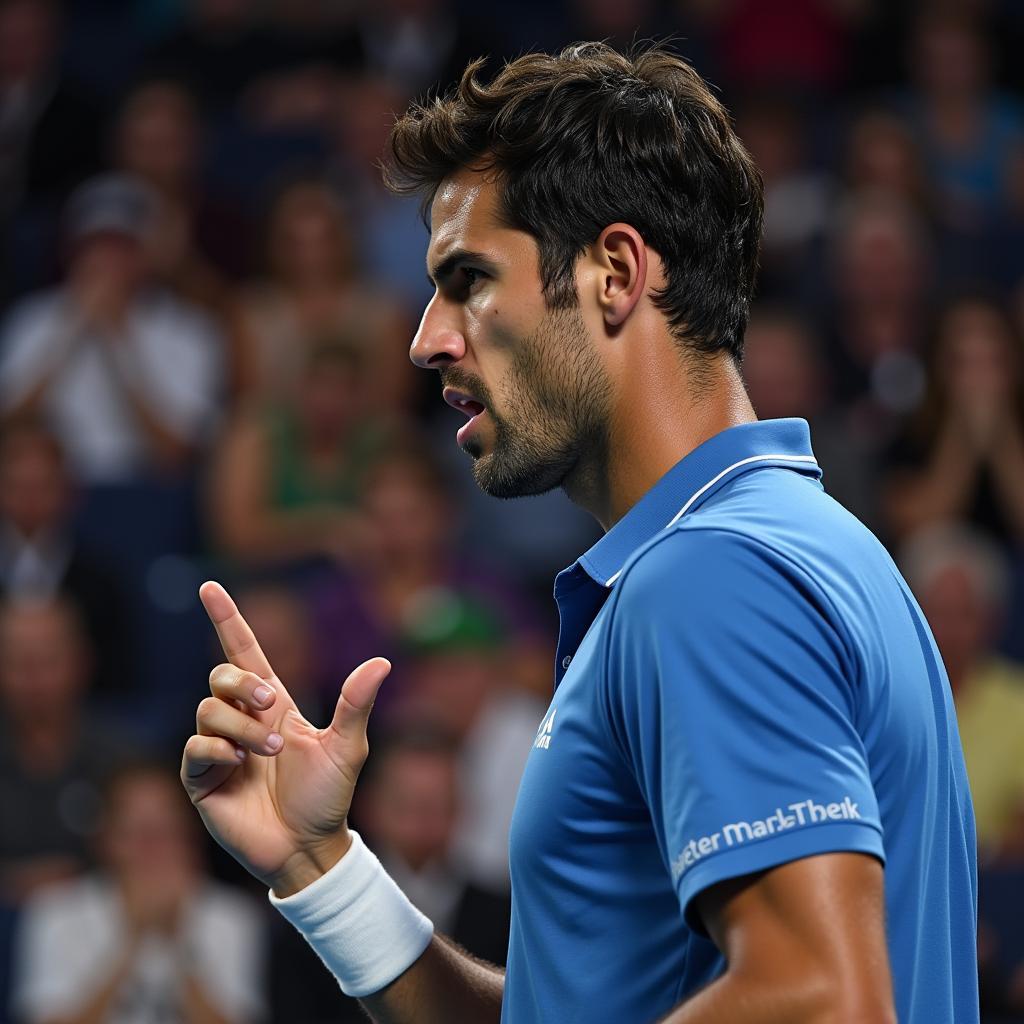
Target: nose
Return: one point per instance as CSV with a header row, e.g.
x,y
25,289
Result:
x,y
438,341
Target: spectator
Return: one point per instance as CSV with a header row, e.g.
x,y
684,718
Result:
x,y
786,375
49,138
286,479
882,157
408,560
286,636
148,938
962,456
314,290
961,580
971,137
462,678
797,196
53,758
127,376
409,806
41,556
874,322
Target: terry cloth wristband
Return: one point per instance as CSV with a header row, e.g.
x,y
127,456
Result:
x,y
359,922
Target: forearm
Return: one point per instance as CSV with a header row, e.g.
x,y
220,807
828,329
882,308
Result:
x,y
798,999
445,984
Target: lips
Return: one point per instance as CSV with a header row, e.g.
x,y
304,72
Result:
x,y
465,403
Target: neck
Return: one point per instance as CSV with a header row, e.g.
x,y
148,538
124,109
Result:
x,y
660,413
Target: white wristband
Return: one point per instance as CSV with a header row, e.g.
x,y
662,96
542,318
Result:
x,y
359,922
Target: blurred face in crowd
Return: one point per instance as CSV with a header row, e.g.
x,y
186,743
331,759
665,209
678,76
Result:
x,y
27,40
156,136
529,377
309,239
881,155
450,688
963,621
950,59
330,398
111,261
880,256
43,661
781,368
412,518
34,487
978,359
279,619
413,804
146,828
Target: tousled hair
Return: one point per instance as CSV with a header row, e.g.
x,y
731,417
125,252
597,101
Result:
x,y
591,136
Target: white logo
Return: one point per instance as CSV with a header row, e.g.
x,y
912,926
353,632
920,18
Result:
x,y
805,812
543,740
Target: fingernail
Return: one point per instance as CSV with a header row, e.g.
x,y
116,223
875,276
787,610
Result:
x,y
262,694
275,740
240,753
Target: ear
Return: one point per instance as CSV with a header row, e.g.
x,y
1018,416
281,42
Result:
x,y
622,260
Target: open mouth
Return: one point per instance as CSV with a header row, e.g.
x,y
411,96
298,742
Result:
x,y
466,404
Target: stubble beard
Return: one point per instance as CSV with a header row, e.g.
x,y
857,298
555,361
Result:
x,y
554,426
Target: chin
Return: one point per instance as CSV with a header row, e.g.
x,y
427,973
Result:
x,y
516,478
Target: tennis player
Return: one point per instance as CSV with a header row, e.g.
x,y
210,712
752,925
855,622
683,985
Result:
x,y
747,800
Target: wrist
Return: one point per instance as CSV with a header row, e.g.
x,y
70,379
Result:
x,y
305,866
359,922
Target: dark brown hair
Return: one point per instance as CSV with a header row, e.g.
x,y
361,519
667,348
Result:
x,y
589,137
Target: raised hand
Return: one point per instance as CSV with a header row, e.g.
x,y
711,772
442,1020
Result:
x,y
273,789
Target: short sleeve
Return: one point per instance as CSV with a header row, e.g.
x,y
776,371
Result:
x,y
732,694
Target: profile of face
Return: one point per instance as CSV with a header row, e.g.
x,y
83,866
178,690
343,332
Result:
x,y
528,375
44,660
35,489
412,806
156,135
146,828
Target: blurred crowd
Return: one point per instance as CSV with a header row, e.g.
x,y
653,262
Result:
x,y
207,298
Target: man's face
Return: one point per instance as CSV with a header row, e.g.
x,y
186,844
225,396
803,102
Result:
x,y
531,375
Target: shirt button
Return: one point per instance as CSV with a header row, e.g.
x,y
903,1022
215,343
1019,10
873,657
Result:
x,y
567,661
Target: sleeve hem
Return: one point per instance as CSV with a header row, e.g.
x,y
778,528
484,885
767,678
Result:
x,y
771,852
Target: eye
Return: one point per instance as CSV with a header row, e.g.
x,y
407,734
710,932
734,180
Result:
x,y
470,276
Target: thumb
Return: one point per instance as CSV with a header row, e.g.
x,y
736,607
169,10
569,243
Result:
x,y
355,702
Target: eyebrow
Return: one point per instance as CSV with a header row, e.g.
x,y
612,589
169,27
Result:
x,y
446,267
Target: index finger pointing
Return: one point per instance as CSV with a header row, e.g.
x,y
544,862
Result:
x,y
237,639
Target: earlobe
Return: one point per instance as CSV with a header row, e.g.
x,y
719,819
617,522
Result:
x,y
623,258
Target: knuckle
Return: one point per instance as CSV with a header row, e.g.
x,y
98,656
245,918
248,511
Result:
x,y
253,732
222,675
207,709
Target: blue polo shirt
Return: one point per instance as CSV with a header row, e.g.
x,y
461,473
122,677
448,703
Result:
x,y
743,678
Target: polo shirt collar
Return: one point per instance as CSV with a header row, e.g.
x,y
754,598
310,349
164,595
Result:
x,y
693,479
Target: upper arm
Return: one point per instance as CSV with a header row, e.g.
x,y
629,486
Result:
x,y
816,924
733,697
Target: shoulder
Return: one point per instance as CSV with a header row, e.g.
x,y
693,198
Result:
x,y
685,565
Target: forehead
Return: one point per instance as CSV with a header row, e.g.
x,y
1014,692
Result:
x,y
465,214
